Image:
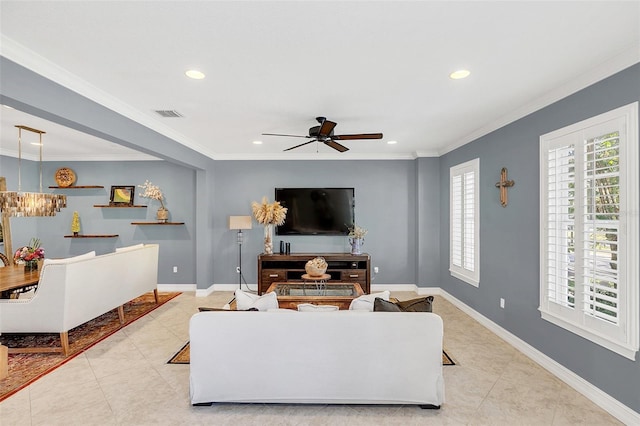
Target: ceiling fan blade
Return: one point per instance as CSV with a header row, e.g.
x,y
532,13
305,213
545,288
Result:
x,y
326,128
358,136
335,145
291,136
302,144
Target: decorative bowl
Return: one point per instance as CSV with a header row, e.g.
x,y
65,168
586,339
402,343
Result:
x,y
316,267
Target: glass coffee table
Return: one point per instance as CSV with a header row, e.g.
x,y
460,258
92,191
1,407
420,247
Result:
x,y
291,294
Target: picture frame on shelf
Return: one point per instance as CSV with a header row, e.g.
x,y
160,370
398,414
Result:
x,y
122,195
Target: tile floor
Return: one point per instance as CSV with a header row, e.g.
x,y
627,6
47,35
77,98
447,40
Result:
x,y
125,380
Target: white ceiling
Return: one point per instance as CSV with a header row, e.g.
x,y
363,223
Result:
x,y
59,143
371,66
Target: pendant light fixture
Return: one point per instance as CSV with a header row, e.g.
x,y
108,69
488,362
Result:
x,y
27,204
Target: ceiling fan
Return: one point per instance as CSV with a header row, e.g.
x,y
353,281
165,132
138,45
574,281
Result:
x,y
324,133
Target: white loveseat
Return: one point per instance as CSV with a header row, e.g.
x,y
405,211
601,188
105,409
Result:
x,y
73,291
343,357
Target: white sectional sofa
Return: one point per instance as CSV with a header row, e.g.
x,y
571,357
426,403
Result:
x,y
342,357
73,291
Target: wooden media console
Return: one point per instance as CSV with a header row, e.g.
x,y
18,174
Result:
x,y
343,267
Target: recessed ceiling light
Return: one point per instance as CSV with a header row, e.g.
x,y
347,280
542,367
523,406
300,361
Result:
x,y
257,142
195,74
7,106
457,75
392,142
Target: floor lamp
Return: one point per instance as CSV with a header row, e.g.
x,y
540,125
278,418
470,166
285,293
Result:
x,y
240,223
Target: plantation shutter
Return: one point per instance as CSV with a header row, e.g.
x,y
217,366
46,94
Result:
x,y
463,261
456,221
469,221
600,225
589,271
560,226
583,206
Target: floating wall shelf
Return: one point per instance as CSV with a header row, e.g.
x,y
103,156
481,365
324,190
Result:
x,y
107,206
78,187
92,236
157,223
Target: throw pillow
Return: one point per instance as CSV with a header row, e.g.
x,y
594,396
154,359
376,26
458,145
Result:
x,y
423,304
381,305
246,301
365,302
310,307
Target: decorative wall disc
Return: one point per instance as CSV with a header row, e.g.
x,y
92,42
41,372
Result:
x,y
65,177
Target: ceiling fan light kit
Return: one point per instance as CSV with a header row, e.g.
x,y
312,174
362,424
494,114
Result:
x,y
324,133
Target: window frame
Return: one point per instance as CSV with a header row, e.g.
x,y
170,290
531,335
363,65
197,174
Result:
x,y
621,338
471,277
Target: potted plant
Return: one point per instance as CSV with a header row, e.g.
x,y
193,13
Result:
x,y
268,214
29,255
356,238
155,193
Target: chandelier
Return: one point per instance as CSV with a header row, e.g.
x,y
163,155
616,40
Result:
x,y
25,204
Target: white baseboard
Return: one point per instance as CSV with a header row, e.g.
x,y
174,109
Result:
x,y
608,403
393,287
204,292
176,287
224,287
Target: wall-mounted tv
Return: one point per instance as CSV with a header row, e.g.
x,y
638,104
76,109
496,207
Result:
x,y
317,211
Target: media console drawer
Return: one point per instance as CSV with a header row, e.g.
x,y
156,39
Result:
x,y
273,275
345,267
354,275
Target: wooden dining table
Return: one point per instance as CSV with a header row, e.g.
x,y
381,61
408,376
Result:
x,y
14,278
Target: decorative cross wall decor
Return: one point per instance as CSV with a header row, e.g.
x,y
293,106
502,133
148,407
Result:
x,y
503,185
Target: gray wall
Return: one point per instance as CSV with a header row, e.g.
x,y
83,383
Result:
x,y
177,245
428,222
387,195
509,237
385,201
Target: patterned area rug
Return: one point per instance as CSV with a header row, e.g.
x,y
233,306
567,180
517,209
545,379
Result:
x,y
25,368
182,357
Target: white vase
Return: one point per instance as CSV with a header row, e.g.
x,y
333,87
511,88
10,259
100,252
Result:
x,y
356,245
268,239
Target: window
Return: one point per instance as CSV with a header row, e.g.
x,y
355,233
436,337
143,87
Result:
x,y
464,253
589,229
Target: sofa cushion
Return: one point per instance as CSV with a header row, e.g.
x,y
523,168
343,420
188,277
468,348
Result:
x,y
365,302
129,248
423,304
310,307
69,259
246,301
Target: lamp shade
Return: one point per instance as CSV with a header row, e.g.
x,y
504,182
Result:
x,y
239,222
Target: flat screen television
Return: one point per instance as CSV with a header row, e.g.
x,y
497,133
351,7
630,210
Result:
x,y
317,211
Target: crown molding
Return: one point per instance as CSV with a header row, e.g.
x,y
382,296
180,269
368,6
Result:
x,y
311,156
422,154
624,59
133,156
